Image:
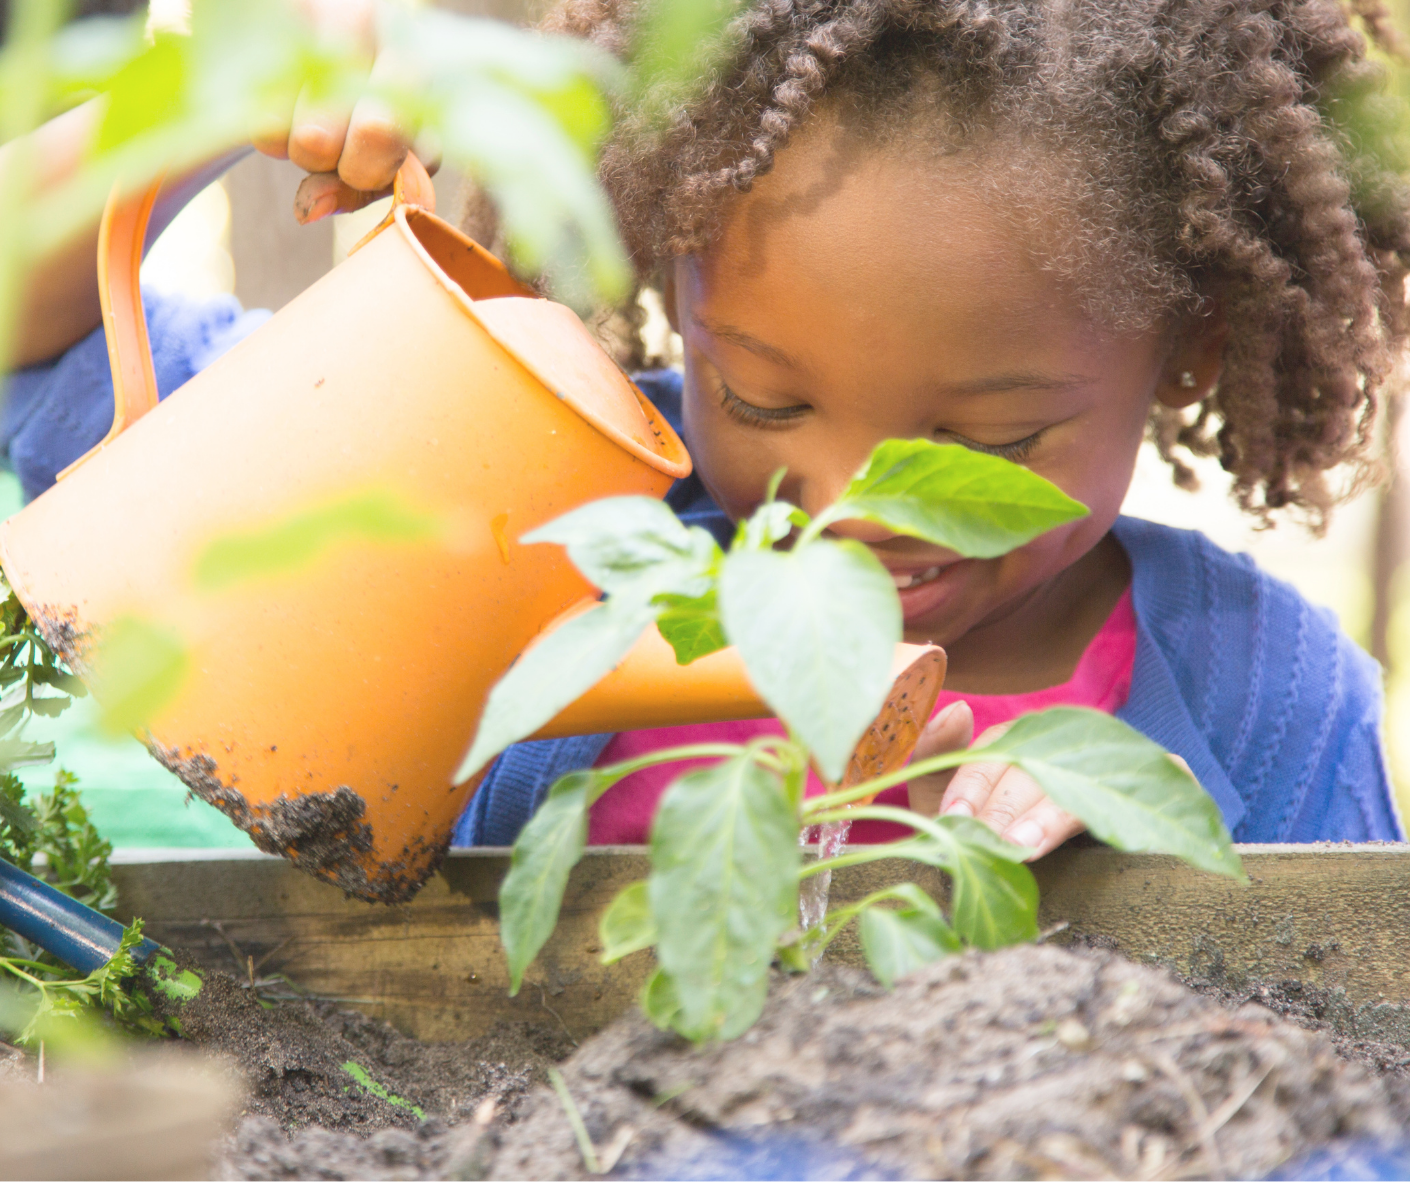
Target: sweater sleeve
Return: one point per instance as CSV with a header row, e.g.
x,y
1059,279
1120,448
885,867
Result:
x,y
517,783
1349,797
55,411
1277,708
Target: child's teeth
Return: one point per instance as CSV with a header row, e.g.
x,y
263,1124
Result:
x,y
904,581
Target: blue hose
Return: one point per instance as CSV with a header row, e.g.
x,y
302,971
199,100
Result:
x,y
72,931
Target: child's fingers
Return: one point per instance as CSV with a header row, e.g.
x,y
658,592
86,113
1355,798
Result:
x,y
950,730
1042,828
376,142
317,136
375,147
275,141
309,135
993,792
972,785
322,193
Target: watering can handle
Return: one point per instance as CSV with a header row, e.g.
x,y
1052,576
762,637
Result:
x,y
121,237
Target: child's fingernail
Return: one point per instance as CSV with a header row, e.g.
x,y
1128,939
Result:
x,y
320,208
943,717
1026,833
959,808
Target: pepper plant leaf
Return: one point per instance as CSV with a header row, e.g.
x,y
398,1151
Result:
x,y
993,901
723,888
978,505
816,627
897,941
769,523
638,551
632,543
993,895
557,670
691,625
626,926
659,1001
545,853
1120,784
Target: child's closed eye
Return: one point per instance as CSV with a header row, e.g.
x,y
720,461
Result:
x,y
1016,451
759,416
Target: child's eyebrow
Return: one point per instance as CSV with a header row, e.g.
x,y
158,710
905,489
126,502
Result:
x,y
1015,381
737,336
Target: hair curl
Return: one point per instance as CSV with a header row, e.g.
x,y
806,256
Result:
x,y
1234,148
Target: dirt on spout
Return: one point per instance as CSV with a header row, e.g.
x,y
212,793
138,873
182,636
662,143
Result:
x,y
1031,1062
322,833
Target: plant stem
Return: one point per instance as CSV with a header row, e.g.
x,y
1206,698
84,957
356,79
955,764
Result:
x,y
855,857
936,763
34,964
575,1121
813,530
618,771
9,966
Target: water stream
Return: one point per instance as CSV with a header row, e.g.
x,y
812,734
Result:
x,y
812,895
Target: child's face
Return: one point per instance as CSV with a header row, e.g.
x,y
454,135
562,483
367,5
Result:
x,y
854,296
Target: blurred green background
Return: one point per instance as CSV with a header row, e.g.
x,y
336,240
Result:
x,y
133,800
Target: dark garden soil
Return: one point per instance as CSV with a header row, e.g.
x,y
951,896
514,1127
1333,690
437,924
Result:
x,y
1032,1062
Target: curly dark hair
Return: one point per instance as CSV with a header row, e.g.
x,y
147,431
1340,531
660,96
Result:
x,y
1242,150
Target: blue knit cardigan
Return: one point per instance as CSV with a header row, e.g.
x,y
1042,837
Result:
x,y
1275,710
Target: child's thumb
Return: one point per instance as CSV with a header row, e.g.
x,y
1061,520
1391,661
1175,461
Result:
x,y
950,730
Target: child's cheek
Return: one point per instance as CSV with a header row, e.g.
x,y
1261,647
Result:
x,y
733,462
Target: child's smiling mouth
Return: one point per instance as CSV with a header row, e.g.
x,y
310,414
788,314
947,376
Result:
x,y
904,581
925,590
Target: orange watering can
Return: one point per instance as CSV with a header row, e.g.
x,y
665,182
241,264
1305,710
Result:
x,y
325,710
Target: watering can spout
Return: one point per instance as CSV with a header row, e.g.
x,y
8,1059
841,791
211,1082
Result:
x,y
326,709
649,688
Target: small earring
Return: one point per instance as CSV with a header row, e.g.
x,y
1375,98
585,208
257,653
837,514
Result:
x,y
1187,380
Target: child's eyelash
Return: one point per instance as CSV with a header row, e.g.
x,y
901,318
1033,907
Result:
x,y
769,416
1016,451
757,416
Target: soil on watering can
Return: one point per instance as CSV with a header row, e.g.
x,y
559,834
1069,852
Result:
x,y
1030,1062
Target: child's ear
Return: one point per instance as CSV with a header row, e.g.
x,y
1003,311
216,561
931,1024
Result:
x,y
1196,363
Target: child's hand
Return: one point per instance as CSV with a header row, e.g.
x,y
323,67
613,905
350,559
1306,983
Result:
x,y
1007,800
352,155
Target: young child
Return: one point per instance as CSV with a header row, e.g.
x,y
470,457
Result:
x,y
1041,231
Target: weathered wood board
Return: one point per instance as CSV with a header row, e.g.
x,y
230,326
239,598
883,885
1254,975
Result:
x,y
1334,916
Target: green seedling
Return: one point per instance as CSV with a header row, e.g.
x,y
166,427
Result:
x,y
51,836
815,625
359,1073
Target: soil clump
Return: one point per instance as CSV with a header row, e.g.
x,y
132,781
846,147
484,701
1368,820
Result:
x,y
1029,1062
1354,1033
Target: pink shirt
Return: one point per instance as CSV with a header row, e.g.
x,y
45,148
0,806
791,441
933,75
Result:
x,y
1102,680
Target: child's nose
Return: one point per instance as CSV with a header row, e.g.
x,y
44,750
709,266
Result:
x,y
816,490
862,531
